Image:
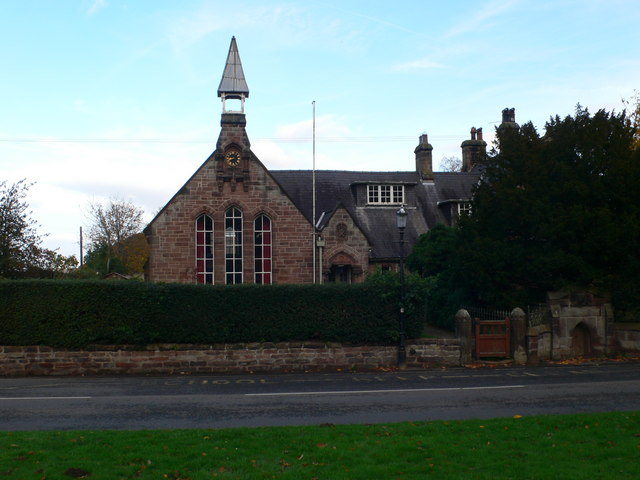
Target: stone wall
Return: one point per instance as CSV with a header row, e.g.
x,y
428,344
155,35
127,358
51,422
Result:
x,y
215,187
572,326
626,338
538,341
231,358
622,339
580,331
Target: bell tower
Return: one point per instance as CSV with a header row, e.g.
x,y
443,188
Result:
x,y
233,85
233,152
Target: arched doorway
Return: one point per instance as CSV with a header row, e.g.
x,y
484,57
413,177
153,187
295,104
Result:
x,y
580,341
340,273
342,269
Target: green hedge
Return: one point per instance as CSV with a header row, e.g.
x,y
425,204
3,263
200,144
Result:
x,y
73,314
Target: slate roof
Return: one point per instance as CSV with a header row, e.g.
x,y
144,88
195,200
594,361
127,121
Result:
x,y
455,186
336,188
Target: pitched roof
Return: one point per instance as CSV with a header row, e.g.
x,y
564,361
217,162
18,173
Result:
x,y
455,186
335,188
233,84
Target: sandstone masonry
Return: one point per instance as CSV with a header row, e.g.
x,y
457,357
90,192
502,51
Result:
x,y
228,358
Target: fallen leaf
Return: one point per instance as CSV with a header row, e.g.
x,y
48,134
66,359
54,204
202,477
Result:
x,y
77,473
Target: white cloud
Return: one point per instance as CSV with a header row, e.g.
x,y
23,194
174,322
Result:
x,y
275,157
96,6
326,126
68,175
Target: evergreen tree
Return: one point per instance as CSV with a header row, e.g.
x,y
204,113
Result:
x,y
555,211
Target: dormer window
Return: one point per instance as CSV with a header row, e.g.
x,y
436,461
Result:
x,y
385,194
464,208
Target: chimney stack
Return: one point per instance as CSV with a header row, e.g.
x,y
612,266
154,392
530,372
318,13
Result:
x,y
509,118
473,150
424,158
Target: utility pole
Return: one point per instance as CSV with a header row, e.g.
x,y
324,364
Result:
x,y
81,250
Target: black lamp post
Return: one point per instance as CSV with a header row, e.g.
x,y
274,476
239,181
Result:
x,y
401,218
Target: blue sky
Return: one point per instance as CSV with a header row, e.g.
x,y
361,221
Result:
x,y
117,98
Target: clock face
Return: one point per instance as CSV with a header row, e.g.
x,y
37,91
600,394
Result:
x,y
233,158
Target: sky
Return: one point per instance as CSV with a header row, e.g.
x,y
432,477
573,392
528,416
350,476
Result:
x,y
105,99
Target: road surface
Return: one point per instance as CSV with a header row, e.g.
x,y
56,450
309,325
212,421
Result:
x,y
217,401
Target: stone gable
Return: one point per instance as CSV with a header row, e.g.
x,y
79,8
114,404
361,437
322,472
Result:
x,y
171,234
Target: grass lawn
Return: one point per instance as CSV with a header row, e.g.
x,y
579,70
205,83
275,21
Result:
x,y
585,446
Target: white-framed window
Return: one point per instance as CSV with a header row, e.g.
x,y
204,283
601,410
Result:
x,y
204,249
464,208
262,249
233,257
385,194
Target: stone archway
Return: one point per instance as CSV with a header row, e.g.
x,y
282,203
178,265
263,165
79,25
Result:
x,y
581,341
343,269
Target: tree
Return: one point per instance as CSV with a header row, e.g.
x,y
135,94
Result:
x,y
113,224
134,252
435,257
54,265
633,106
21,253
19,240
131,256
451,164
555,211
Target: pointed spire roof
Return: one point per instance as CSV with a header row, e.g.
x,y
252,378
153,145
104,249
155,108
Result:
x,y
233,85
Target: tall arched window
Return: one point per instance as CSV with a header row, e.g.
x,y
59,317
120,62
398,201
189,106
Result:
x,y
262,249
204,249
233,245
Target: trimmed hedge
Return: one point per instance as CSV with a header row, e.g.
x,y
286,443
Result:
x,y
74,314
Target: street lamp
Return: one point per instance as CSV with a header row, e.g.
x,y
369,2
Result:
x,y
401,219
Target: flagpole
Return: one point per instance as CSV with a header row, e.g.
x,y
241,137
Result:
x,y
313,191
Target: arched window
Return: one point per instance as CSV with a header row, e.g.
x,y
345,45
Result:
x,y
262,249
233,245
204,249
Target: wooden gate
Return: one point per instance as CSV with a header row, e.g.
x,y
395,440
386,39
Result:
x,y
492,338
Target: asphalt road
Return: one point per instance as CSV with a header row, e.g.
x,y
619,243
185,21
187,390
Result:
x,y
47,403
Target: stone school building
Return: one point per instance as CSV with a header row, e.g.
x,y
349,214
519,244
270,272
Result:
x,y
235,221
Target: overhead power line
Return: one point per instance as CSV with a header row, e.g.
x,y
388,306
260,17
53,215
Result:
x,y
380,139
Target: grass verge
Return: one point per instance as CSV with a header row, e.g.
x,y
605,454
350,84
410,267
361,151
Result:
x,y
584,446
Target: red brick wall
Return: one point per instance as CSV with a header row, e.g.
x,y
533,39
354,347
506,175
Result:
x,y
236,358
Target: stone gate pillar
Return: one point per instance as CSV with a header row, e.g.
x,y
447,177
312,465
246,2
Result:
x,y
464,332
518,336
